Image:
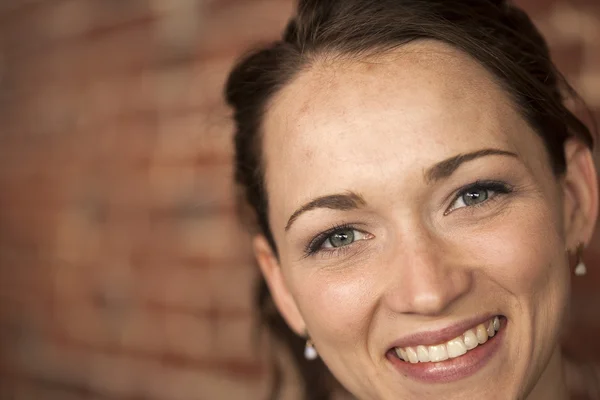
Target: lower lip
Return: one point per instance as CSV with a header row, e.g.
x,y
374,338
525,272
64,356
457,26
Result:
x,y
453,369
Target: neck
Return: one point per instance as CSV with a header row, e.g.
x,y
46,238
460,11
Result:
x,y
551,385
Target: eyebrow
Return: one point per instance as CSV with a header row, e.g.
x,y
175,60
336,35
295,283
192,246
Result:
x,y
350,200
343,201
447,167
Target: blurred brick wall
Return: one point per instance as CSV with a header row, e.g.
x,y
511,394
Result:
x,y
123,271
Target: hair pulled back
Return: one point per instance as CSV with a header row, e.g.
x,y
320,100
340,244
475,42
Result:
x,y
497,34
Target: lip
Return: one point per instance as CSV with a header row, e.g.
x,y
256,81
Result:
x,y
431,338
452,369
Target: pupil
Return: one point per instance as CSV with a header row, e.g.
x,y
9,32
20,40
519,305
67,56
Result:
x,y
475,196
342,238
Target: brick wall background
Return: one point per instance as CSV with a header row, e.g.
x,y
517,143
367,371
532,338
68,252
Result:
x,y
123,271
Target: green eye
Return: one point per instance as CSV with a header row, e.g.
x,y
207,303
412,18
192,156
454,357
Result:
x,y
475,196
340,238
479,193
336,238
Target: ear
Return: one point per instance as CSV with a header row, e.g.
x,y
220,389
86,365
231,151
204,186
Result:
x,y
271,270
580,187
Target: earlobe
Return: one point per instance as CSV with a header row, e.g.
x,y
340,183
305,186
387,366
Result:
x,y
580,194
271,270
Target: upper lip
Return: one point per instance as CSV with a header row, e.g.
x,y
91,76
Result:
x,y
433,337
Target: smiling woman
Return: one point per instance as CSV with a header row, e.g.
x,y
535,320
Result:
x,y
422,196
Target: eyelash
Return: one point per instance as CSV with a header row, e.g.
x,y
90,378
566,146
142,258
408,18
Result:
x,y
316,244
495,188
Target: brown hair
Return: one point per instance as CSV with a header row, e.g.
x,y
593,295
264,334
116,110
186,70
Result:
x,y
497,34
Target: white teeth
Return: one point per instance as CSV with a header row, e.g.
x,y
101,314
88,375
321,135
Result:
x,y
423,354
438,353
401,353
412,355
490,330
453,348
456,348
481,333
470,340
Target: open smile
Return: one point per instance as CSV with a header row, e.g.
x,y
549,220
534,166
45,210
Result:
x,y
453,359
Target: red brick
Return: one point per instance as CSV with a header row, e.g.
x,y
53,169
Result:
x,y
143,331
569,59
536,7
47,361
208,81
31,390
213,236
592,5
116,376
10,8
118,17
175,287
189,335
168,383
217,385
205,291
232,288
87,325
243,24
65,19
184,192
237,339
127,98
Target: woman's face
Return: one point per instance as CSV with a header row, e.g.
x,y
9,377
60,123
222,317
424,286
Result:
x,y
412,207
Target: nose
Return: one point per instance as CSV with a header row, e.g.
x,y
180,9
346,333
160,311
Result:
x,y
428,277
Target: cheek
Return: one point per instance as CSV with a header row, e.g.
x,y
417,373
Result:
x,y
337,306
525,255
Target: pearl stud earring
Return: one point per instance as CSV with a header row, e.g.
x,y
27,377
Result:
x,y
580,268
310,353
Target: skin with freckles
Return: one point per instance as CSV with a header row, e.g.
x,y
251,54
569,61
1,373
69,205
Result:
x,y
420,198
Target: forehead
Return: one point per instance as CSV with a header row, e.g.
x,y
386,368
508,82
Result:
x,y
343,122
